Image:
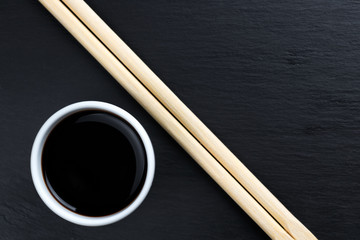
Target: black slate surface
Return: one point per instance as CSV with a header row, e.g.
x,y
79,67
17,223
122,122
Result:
x,y
277,81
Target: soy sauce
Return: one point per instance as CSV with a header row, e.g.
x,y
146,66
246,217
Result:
x,y
94,163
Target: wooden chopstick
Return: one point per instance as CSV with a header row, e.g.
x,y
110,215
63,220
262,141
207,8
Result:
x,y
175,129
188,119
166,120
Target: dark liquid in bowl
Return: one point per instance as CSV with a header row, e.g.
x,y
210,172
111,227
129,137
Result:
x,y
94,163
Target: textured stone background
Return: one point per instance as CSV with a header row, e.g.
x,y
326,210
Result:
x,y
277,81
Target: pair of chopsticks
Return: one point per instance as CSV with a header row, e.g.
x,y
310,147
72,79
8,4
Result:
x,y
168,110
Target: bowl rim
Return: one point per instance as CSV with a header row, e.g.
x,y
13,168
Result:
x,y
36,168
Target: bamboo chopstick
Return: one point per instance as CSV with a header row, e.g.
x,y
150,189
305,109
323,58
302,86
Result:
x,y
180,134
189,120
166,120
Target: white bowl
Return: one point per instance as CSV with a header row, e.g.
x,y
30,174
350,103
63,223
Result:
x,y
38,178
